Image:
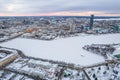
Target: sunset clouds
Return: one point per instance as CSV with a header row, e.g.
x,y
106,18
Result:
x,y
59,7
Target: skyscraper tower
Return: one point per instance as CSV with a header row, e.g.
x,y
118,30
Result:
x,y
91,21
116,28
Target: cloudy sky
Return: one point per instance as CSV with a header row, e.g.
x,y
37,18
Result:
x,y
59,7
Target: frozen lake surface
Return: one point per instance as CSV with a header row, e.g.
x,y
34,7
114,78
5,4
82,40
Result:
x,y
64,49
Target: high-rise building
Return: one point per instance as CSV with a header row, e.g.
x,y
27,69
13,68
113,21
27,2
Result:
x,y
116,28
91,21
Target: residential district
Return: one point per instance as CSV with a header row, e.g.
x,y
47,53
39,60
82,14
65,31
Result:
x,y
16,64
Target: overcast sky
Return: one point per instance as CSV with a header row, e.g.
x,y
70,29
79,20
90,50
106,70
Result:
x,y
59,7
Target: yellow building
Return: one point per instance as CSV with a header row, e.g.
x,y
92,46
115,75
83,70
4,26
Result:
x,y
9,58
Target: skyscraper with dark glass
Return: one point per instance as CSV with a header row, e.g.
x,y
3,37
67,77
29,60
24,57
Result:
x,y
91,21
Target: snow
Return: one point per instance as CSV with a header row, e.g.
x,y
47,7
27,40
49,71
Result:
x,y
64,49
6,57
13,51
104,72
117,51
109,19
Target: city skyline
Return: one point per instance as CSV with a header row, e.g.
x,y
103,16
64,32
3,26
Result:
x,y
59,8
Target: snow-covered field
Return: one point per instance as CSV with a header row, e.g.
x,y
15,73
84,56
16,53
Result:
x,y
64,49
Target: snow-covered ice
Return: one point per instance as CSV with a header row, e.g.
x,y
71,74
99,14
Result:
x,y
64,49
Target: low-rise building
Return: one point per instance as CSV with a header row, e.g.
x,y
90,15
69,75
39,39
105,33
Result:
x,y
7,55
